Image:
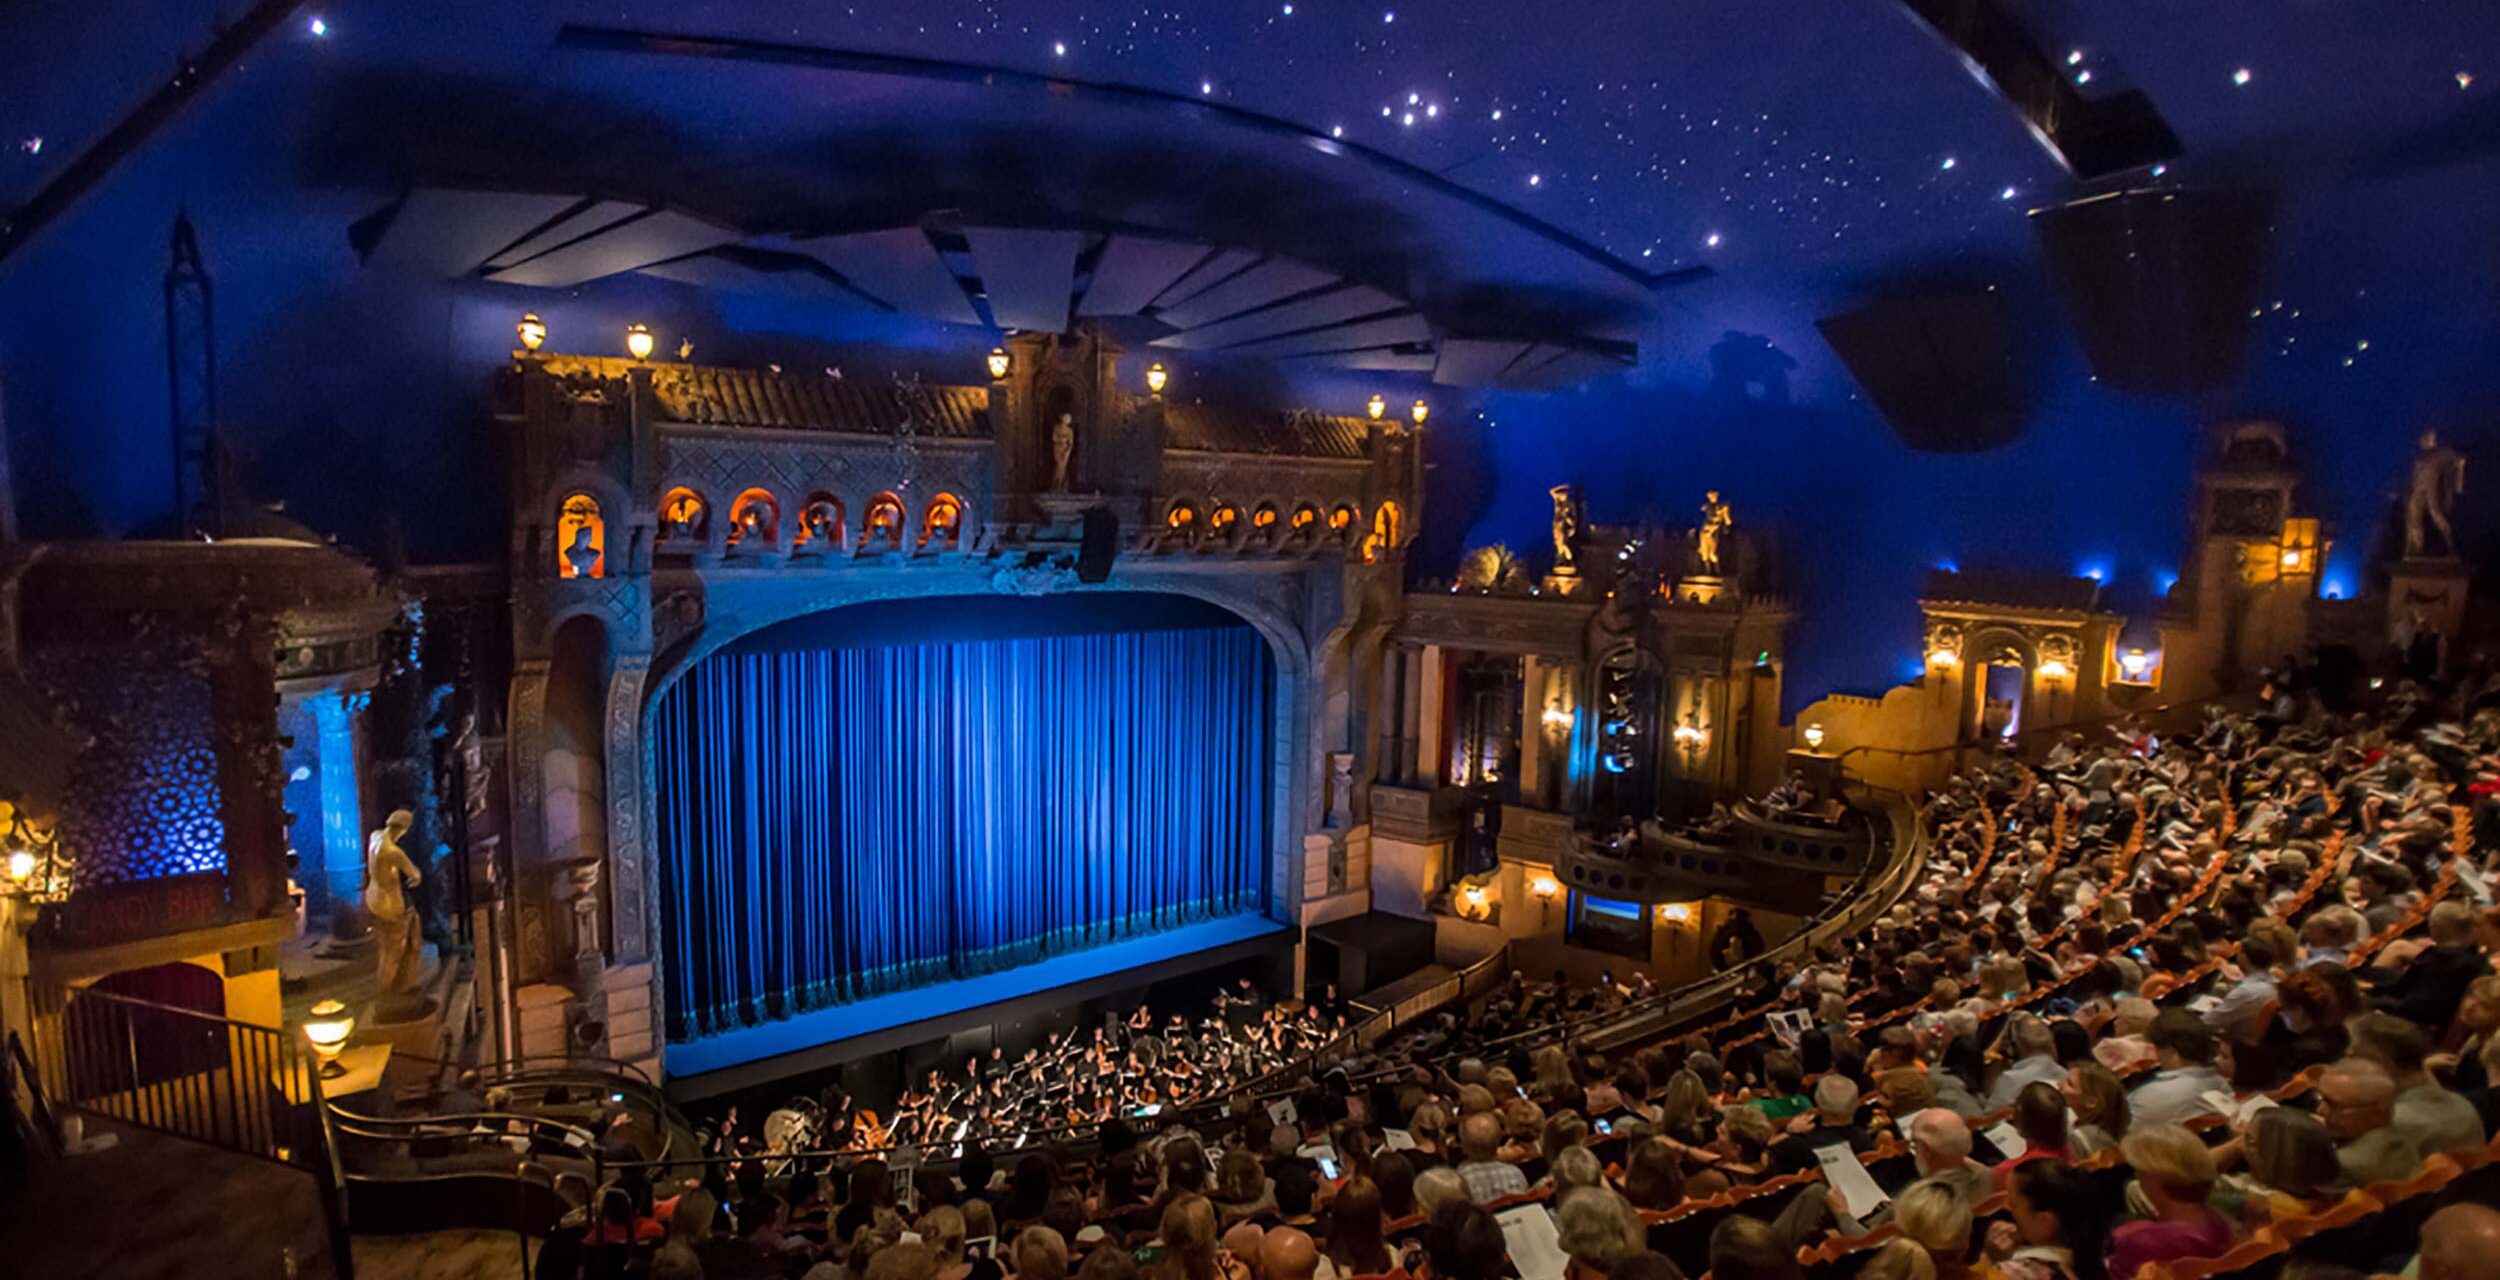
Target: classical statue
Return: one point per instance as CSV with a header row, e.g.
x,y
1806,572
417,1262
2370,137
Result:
x,y
1062,448
2438,477
581,557
1715,520
1566,530
389,874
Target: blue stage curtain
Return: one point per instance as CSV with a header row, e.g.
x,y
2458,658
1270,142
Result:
x,y
837,823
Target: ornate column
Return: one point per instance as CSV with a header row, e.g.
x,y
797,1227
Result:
x,y
342,809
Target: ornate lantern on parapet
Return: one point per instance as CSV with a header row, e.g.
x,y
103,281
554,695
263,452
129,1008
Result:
x,y
1944,648
33,866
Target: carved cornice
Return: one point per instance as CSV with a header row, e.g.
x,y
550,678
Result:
x,y
1550,627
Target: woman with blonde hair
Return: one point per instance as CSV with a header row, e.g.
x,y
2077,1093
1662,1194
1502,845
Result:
x,y
2099,1102
1429,1126
1898,1260
1685,1113
1935,1217
942,1230
1551,1067
1188,1247
2176,1174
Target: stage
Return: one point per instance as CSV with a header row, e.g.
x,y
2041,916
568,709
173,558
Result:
x,y
821,1039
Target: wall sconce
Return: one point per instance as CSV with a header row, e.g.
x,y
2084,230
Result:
x,y
2135,666
1474,896
1545,887
1557,719
2291,558
328,1028
38,869
1377,407
1814,737
1000,362
1676,913
1421,412
533,332
1155,377
638,342
1690,736
1942,659
2054,670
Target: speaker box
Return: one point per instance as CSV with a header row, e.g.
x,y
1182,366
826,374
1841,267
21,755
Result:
x,y
1100,547
1937,366
2160,284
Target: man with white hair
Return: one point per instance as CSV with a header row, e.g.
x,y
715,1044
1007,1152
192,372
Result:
x,y
1834,1119
1598,1228
1940,1144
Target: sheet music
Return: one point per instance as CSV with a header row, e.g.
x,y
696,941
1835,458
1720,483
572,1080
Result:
x,y
1535,1246
2472,877
1850,1178
1398,1139
1281,1112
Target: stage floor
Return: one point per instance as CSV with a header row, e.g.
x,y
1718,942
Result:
x,y
756,1047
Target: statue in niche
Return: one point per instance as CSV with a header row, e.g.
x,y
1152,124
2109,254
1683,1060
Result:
x,y
1566,530
389,874
2438,477
581,555
1715,520
1062,451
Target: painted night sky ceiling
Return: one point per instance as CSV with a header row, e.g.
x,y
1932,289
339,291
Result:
x,y
1702,180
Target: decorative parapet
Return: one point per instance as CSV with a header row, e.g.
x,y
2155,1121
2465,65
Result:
x,y
1414,815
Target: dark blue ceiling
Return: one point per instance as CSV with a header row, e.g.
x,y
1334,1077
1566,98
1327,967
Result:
x,y
1798,149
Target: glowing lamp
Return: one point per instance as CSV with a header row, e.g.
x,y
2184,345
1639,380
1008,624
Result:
x,y
1544,887
1474,894
1676,913
2135,663
1941,659
1814,737
327,1029
638,341
1557,718
1690,736
21,867
1376,408
1421,411
2291,557
533,332
1001,362
2053,669
1156,377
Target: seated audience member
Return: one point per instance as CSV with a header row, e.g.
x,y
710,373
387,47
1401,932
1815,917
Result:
x,y
1465,1243
1898,1259
1186,1247
2039,1118
2055,1232
2035,1060
2291,1168
1357,1244
1834,1119
2459,1242
902,1261
1242,1189
1574,1168
1744,1248
2357,1103
2129,1041
2426,1113
1597,1230
1039,1253
1487,1178
2430,986
1653,1175
1940,1144
1438,1188
2177,1175
1783,1093
941,1230
2185,1048
1937,1218
1289,1253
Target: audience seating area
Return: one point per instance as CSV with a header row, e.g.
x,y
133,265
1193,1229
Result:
x,y
2212,1002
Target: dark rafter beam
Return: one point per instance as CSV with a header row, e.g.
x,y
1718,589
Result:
x,y
19,225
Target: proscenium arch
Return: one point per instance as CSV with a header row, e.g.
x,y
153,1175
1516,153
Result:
x,y
1292,790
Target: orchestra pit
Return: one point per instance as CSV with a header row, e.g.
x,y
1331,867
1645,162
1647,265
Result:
x,y
1237,640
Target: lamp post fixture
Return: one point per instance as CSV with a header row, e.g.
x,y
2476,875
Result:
x,y
1156,377
1814,737
1000,362
36,869
638,342
533,332
1377,407
327,1029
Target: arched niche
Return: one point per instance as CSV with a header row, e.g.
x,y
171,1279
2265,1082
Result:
x,y
1386,522
820,525
1305,518
581,537
883,527
1181,515
1344,518
574,763
685,519
755,520
943,525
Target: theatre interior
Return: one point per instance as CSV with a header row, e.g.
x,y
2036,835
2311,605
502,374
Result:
x,y
1238,640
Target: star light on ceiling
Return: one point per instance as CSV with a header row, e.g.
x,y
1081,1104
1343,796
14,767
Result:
x,y
2242,76
1536,179
318,26
1059,50
1711,241
32,146
2465,79
1948,163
